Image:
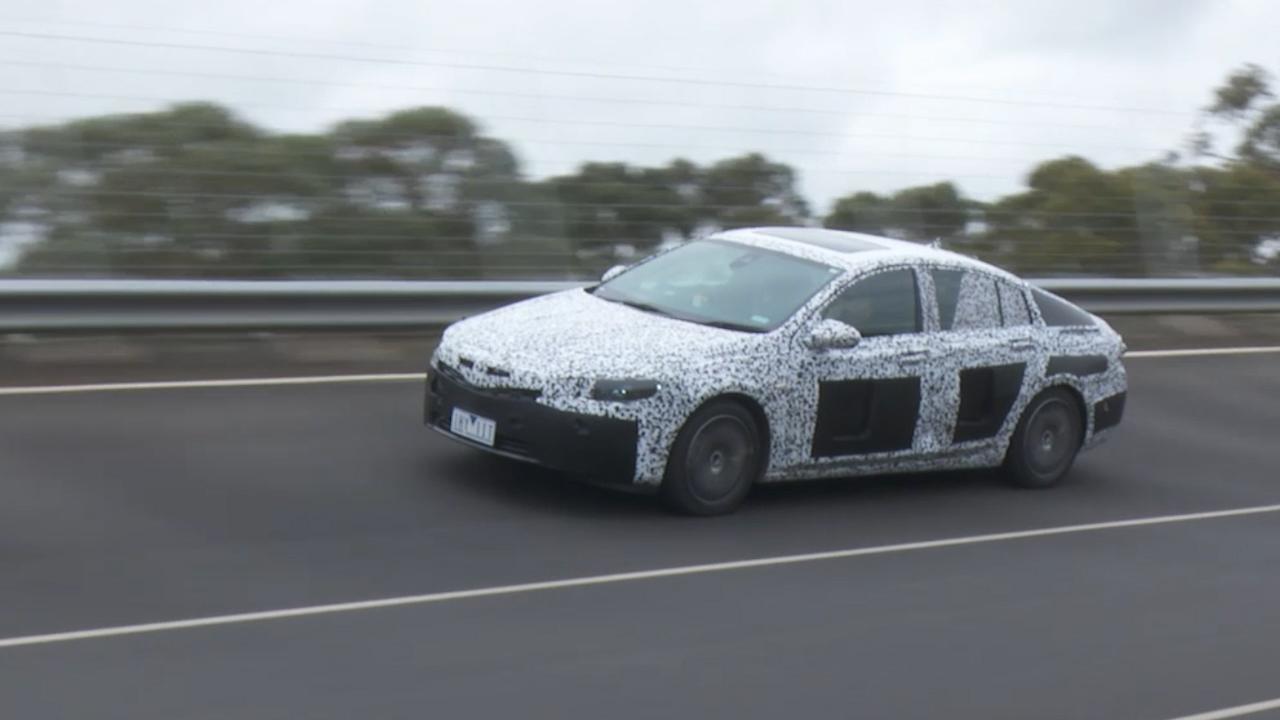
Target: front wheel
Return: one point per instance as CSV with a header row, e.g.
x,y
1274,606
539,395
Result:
x,y
1046,440
714,461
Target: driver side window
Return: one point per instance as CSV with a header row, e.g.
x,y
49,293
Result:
x,y
883,304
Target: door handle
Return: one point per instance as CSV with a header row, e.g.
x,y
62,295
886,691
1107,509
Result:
x,y
1023,345
914,357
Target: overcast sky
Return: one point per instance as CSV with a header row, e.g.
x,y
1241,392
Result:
x,y
856,96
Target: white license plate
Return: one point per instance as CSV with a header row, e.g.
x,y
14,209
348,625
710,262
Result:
x,y
473,427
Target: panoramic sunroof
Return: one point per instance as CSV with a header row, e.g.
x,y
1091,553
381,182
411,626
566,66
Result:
x,y
829,239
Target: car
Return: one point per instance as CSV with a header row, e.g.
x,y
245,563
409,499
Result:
x,y
779,354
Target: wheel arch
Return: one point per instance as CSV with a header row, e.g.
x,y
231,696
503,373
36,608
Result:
x,y
753,406
1076,395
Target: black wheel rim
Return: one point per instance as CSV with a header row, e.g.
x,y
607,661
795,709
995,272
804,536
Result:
x,y
720,456
1051,438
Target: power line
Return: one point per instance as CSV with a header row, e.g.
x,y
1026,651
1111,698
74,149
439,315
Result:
x,y
507,254
42,146
661,126
574,169
552,184
893,214
508,248
349,43
559,98
610,123
593,62
559,177
121,118
582,74
297,229
218,267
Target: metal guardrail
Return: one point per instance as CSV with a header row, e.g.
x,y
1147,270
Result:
x,y
1168,296
66,305
101,305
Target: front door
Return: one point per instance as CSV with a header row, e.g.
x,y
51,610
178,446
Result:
x,y
870,397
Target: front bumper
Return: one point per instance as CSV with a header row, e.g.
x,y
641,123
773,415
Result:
x,y
1108,411
590,447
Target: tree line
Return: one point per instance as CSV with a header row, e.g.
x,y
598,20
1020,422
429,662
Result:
x,y
195,191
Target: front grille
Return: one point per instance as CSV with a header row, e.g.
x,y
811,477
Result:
x,y
512,393
512,445
470,364
505,393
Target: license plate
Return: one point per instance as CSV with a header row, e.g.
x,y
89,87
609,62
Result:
x,y
473,427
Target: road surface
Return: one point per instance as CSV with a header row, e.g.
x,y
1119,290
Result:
x,y
124,508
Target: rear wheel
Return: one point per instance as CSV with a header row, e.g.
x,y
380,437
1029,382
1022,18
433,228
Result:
x,y
1046,441
714,461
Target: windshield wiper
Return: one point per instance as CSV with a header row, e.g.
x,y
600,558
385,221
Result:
x,y
727,325
644,306
722,324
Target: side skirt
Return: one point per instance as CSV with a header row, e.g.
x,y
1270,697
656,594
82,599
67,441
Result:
x,y
952,459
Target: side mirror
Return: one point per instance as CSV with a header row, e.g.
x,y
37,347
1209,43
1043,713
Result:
x,y
833,335
612,273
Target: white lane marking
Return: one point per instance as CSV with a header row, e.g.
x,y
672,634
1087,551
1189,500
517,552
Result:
x,y
619,577
233,382
1236,711
394,377
1203,351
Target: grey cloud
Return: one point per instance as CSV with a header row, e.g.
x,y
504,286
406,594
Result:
x,y
1162,55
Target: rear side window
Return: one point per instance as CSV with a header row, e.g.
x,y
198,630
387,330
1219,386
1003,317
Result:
x,y
1058,312
946,283
966,300
1013,305
882,304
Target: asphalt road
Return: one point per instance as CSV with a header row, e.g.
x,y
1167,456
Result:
x,y
122,508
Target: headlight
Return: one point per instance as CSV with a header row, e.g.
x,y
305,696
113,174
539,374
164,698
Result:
x,y
624,390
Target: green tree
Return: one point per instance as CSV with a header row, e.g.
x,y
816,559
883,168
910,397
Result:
x,y
1076,218
1261,143
1241,91
931,211
861,212
193,190
916,213
606,206
1237,204
751,190
134,138
1164,218
426,186
1234,208
1246,102
118,190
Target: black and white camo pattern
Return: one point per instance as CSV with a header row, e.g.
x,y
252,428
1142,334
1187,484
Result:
x,y
562,343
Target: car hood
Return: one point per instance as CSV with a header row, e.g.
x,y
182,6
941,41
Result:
x,y
575,334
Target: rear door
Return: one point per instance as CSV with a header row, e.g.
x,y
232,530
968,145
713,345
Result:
x,y
986,348
869,397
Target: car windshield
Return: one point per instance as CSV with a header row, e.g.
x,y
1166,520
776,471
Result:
x,y
718,283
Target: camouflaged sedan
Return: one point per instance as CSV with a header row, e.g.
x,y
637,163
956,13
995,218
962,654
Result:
x,y
778,354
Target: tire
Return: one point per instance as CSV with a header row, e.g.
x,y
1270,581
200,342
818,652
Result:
x,y
1046,441
714,461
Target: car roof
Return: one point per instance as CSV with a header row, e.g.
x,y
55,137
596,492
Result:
x,y
850,250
